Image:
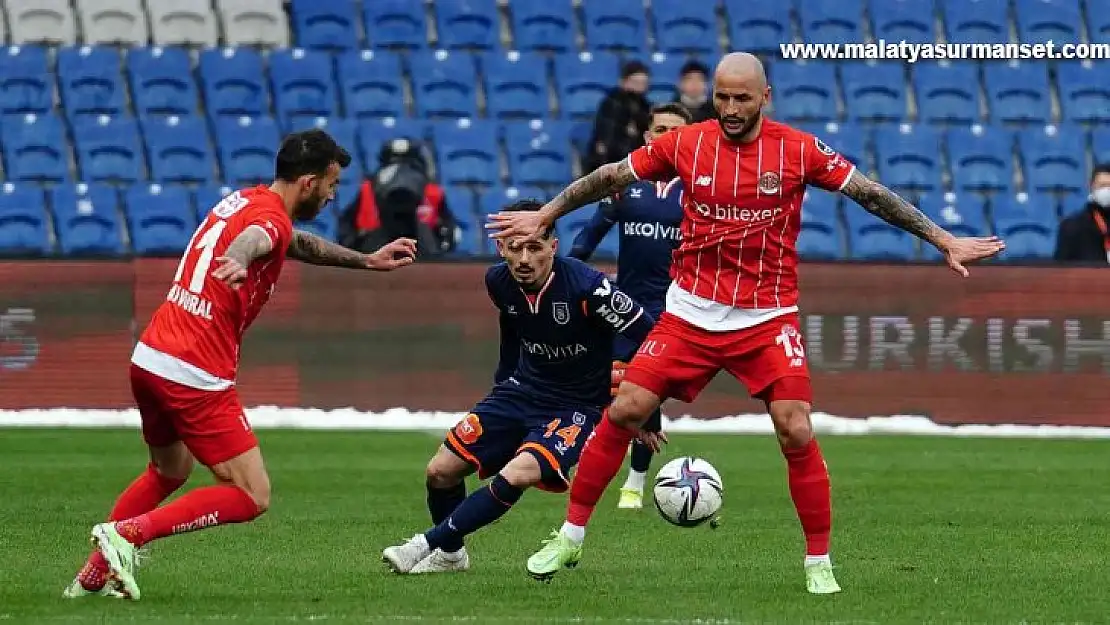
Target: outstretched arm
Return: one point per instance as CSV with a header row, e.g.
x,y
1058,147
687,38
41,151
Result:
x,y
600,183
314,250
252,243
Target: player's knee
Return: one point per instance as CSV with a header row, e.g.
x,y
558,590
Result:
x,y
632,406
792,423
261,496
523,471
439,475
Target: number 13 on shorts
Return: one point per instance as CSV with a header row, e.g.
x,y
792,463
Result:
x,y
791,342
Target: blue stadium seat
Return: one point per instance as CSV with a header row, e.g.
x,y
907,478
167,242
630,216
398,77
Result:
x,y
371,83
26,84
874,91
516,84
24,228
1100,144
90,81
758,26
1084,94
444,84
804,91
947,92
980,160
961,214
1069,203
908,157
495,198
1029,228
344,131
568,227
849,139
247,147
873,239
108,149
835,21
467,152
468,24
395,23
161,81
302,83
903,20
543,25
580,134
87,219
665,72
325,225
1044,20
820,237
1018,92
470,239
234,82
372,135
35,147
207,197
539,153
1055,158
615,25
684,26
583,80
977,21
324,25
159,217
1098,21
178,149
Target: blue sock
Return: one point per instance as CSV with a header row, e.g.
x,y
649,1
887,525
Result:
x,y
482,507
441,503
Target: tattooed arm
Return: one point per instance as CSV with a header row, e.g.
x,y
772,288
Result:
x,y
252,243
314,250
891,208
600,183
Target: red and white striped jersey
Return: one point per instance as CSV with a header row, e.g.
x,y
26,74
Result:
x,y
742,208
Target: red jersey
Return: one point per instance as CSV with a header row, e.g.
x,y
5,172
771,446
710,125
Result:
x,y
195,335
742,207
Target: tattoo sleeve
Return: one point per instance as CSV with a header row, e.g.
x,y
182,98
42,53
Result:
x,y
598,184
252,243
311,249
891,208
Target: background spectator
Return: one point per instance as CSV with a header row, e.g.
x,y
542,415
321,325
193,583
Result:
x,y
1083,236
693,90
622,119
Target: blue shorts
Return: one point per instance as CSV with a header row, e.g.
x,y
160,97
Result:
x,y
509,422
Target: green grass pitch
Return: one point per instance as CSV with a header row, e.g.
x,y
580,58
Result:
x,y
937,530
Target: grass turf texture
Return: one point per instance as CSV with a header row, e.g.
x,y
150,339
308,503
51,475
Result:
x,y
925,530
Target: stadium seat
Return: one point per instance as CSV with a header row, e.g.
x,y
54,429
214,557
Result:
x,y
615,25
302,83
1098,21
161,81
849,139
207,197
87,219
324,25
1069,203
444,84
399,23
371,83
496,198
159,218
41,21
1018,92
583,79
26,84
1029,227
947,92
568,227
24,228
1055,158
234,82
804,91
903,20
539,153
184,23
254,22
468,24
758,26
108,149
684,26
344,131
470,239
874,91
113,22
1045,20
178,149
977,21
873,239
325,225
665,72
543,25
820,238
35,148
836,21
247,147
467,152
908,157
981,158
1100,144
1084,94
963,215
516,84
90,81
372,135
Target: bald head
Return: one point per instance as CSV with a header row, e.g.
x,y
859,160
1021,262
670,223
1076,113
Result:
x,y
741,66
740,92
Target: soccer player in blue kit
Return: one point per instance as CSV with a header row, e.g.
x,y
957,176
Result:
x,y
558,317
647,215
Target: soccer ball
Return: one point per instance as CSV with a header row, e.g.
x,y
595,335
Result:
x,y
688,491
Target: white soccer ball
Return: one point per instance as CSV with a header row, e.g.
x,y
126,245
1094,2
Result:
x,y
688,491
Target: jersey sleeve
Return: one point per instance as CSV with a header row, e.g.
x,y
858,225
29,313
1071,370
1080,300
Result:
x,y
274,222
824,167
657,160
596,229
509,351
617,310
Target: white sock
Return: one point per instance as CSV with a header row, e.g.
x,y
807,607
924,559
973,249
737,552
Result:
x,y
818,559
576,533
635,480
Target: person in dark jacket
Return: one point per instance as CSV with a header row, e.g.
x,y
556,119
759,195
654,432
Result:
x,y
622,119
1084,236
693,91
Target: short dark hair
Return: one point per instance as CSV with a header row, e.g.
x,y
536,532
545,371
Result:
x,y
673,108
634,67
1100,168
694,66
529,205
308,153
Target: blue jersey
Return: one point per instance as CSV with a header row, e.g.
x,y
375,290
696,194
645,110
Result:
x,y
557,345
648,215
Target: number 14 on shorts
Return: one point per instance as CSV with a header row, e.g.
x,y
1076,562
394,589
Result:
x,y
568,435
791,341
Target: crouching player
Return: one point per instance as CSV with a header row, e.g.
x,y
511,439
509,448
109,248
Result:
x,y
558,317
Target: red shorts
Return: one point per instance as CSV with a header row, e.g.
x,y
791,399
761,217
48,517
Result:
x,y
678,359
212,424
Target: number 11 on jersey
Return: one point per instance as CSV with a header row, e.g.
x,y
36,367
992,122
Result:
x,y
204,240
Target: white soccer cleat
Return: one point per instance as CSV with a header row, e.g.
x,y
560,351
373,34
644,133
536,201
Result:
x,y
441,562
76,591
631,499
820,579
403,558
122,557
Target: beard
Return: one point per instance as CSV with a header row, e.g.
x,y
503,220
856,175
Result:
x,y
310,207
747,126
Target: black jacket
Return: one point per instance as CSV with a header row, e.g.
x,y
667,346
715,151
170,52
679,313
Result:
x,y
622,119
1080,240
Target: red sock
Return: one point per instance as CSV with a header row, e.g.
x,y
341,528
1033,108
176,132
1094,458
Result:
x,y
601,460
196,510
809,488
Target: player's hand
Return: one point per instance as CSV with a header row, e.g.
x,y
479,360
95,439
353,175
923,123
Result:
x,y
617,376
392,255
653,440
230,270
526,224
960,250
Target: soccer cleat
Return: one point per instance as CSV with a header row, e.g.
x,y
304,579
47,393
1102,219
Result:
x,y
631,499
122,557
76,591
557,552
440,562
404,557
820,580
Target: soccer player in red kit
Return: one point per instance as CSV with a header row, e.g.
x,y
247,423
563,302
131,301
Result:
x,y
183,367
732,304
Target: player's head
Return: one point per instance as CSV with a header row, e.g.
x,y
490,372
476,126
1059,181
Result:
x,y
665,118
310,163
740,91
529,260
